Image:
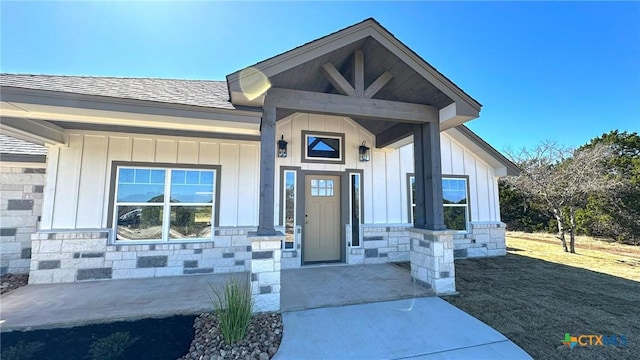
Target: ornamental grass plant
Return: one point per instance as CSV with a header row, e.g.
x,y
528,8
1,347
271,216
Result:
x,y
233,306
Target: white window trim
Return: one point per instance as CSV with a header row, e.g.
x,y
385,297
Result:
x,y
467,214
166,205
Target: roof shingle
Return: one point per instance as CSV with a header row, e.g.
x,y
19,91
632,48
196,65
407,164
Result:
x,y
11,145
204,93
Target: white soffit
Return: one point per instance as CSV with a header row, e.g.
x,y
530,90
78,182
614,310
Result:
x,y
105,117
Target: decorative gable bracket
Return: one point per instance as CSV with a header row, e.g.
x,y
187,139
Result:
x,y
357,90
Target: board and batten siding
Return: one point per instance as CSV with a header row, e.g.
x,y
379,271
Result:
x,y
78,175
292,127
81,201
483,182
458,160
385,175
394,164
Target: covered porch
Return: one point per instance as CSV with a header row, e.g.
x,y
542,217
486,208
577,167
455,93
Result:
x,y
362,74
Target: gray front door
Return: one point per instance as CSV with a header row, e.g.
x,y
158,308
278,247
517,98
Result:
x,y
321,240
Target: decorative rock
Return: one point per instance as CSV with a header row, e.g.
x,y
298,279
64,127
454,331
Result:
x,y
272,351
261,342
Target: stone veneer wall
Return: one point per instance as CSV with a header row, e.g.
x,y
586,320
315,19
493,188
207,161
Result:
x,y
432,259
290,259
265,271
21,197
379,244
382,244
70,256
390,243
484,239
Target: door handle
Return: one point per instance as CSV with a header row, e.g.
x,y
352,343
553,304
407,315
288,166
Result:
x,y
306,218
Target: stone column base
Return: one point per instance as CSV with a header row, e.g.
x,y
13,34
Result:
x,y
265,271
432,259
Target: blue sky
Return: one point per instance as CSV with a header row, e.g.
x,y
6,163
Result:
x,y
543,70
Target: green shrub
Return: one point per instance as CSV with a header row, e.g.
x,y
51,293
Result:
x,y
234,308
111,347
22,350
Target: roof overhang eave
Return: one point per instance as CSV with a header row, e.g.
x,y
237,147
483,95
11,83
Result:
x,y
502,165
43,106
59,98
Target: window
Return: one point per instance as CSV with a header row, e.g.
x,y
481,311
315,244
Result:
x,y
289,208
455,200
356,209
323,147
456,203
321,187
143,211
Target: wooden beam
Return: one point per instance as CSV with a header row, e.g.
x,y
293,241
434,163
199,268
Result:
x,y
419,217
337,80
267,171
377,85
358,73
393,134
312,102
428,175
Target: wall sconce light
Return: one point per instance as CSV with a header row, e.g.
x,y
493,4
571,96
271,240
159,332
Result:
x,y
364,152
282,147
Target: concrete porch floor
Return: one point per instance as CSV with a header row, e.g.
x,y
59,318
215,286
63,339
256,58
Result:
x,y
65,305
337,285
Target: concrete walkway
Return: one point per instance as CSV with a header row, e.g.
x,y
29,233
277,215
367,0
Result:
x,y
421,328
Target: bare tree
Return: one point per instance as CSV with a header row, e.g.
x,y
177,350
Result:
x,y
562,178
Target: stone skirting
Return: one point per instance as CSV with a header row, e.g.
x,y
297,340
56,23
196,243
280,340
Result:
x,y
63,257
21,197
291,259
432,259
483,239
381,244
265,271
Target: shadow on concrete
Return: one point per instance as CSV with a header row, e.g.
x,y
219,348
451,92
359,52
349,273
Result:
x,y
338,285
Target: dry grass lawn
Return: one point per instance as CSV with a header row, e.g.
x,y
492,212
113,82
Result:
x,y
537,293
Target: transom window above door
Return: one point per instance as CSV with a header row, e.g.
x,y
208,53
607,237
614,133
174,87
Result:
x,y
322,147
